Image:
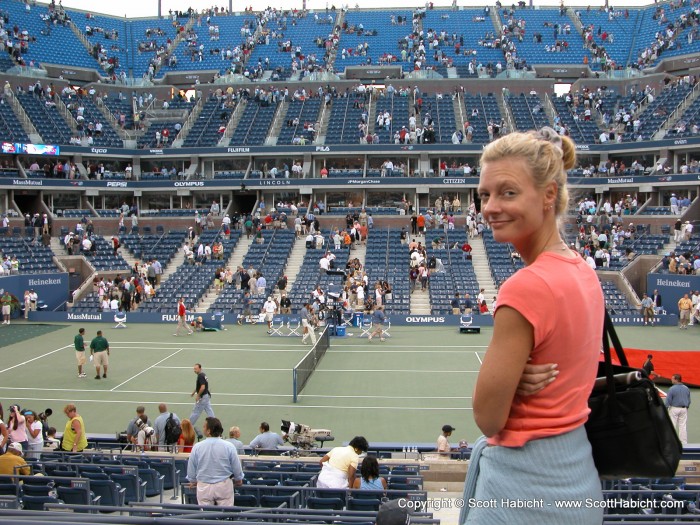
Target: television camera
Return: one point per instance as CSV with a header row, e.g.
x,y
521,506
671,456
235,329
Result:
x,y
303,436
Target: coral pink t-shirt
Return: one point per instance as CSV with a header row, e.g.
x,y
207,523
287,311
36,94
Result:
x,y
562,299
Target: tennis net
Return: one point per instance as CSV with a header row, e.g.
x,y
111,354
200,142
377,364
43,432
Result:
x,y
304,368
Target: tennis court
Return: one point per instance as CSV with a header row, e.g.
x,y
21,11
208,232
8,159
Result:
x,y
403,390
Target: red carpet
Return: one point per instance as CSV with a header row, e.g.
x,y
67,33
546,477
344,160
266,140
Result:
x,y
668,363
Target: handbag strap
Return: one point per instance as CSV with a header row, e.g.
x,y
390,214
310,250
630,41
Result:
x,y
609,327
609,334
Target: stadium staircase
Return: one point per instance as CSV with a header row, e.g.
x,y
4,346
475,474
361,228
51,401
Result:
x,y
296,258
679,114
23,118
420,300
480,261
123,251
359,252
233,262
233,122
174,264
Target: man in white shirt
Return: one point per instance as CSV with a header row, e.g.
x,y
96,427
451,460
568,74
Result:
x,y
269,309
324,264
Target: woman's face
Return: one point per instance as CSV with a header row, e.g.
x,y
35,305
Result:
x,y
510,202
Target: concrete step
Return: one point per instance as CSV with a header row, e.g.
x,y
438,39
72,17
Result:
x,y
296,259
174,264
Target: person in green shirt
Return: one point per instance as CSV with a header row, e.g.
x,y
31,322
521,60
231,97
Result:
x,y
79,344
6,301
99,349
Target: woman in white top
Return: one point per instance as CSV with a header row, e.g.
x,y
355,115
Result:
x,y
339,466
34,435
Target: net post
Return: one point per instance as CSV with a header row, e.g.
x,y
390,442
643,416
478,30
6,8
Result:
x,y
294,385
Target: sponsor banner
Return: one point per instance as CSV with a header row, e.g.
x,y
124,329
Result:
x,y
216,320
52,288
49,184
210,320
359,149
671,288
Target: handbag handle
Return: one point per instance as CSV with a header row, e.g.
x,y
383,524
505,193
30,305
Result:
x,y
609,334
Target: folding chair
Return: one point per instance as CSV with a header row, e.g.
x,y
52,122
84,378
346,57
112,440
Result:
x,y
294,326
386,327
278,322
120,319
465,320
366,326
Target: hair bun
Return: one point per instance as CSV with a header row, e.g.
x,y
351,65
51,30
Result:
x,y
548,134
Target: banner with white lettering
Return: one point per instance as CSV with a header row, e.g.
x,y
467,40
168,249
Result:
x,y
51,288
672,287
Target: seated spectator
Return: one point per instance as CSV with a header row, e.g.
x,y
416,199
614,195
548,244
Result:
x,y
369,476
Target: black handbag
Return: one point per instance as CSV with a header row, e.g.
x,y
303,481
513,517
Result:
x,y
629,428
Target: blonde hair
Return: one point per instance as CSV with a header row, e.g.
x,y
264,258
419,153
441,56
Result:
x,y
547,155
188,434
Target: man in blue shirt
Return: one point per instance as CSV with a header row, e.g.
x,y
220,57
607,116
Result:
x,y
677,402
266,439
378,319
214,467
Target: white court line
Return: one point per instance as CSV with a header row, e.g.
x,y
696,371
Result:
x,y
479,358
290,405
276,344
318,370
231,350
226,368
35,358
236,394
147,369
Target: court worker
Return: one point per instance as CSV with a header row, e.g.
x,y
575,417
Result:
x,y
202,396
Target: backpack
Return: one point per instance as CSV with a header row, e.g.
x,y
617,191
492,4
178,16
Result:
x,y
172,430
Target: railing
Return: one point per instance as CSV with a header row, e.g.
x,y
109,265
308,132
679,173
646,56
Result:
x,y
189,122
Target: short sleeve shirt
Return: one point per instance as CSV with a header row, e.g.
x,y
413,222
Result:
x,y
202,380
561,298
343,458
79,343
99,344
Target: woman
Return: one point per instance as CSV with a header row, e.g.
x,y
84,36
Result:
x,y
35,437
187,437
17,425
27,303
340,464
369,476
531,395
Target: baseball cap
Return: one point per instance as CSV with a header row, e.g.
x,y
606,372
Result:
x,y
448,428
16,446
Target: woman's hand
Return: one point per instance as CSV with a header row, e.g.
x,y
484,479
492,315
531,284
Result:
x,y
536,377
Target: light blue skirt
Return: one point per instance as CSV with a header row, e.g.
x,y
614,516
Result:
x,y
548,481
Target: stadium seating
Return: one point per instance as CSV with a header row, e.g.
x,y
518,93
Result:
x,y
387,260
254,124
205,131
306,111
190,281
344,119
269,258
457,275
46,119
33,257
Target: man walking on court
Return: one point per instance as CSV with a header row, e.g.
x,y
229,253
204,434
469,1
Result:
x,y
99,350
182,318
308,322
202,396
677,402
79,344
214,467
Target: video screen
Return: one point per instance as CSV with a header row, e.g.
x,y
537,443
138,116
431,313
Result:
x,y
41,149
